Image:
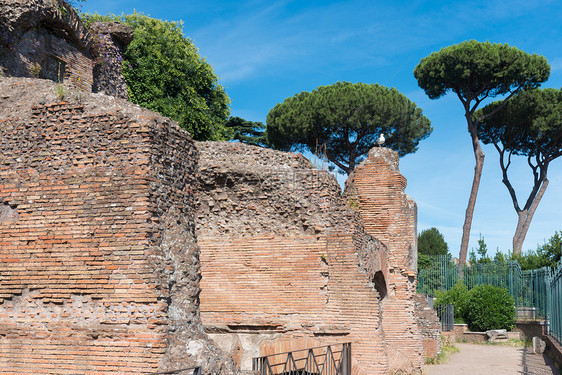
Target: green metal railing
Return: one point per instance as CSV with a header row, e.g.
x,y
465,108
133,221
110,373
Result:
x,y
441,274
528,288
555,304
539,289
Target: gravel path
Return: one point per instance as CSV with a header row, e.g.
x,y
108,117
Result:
x,y
474,359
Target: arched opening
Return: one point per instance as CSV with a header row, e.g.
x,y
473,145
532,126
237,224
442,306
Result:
x,y
380,284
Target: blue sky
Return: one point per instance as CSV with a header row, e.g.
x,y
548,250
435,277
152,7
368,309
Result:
x,y
265,51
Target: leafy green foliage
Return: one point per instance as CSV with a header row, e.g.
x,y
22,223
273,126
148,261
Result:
x,y
482,247
346,118
551,250
250,132
531,259
500,257
529,124
60,91
472,258
435,272
165,73
457,295
432,242
546,255
489,307
88,18
482,252
424,261
475,70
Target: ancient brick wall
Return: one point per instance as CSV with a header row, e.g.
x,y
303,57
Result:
x,y
102,241
45,39
389,215
288,262
429,326
99,270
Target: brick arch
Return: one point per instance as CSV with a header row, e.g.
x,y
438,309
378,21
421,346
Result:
x,y
21,16
45,39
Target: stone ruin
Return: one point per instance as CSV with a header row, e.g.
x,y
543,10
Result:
x,y
46,39
126,247
99,263
289,263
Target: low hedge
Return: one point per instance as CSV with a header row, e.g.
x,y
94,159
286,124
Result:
x,y
489,307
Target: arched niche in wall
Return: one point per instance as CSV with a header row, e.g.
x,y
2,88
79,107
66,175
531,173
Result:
x,y
380,284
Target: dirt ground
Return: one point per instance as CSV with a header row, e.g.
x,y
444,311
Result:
x,y
474,359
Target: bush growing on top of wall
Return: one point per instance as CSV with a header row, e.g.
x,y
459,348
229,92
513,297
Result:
x,y
458,296
165,73
489,307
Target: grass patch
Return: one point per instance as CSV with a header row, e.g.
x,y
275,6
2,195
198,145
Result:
x,y
60,91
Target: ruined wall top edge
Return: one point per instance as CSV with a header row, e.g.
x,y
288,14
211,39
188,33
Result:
x,y
19,95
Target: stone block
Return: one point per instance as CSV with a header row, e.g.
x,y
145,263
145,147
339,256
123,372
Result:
x,y
539,345
497,335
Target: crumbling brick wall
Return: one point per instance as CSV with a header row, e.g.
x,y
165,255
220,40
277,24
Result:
x,y
429,326
99,270
289,262
111,40
46,39
389,215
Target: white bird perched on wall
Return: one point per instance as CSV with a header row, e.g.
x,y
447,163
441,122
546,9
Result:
x,y
380,140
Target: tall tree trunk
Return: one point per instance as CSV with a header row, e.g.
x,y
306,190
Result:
x,y
524,220
479,156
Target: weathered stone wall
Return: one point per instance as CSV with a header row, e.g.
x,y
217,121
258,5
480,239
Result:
x,y
111,40
45,39
289,262
247,191
99,270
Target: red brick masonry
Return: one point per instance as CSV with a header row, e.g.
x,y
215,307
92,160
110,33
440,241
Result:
x,y
98,261
304,270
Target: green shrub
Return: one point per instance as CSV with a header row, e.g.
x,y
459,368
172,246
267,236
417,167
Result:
x,y
489,307
457,295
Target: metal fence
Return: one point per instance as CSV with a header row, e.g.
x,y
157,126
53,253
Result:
x,y
446,316
322,360
555,304
441,274
528,288
537,293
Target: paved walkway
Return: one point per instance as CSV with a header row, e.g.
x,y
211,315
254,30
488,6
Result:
x,y
474,359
